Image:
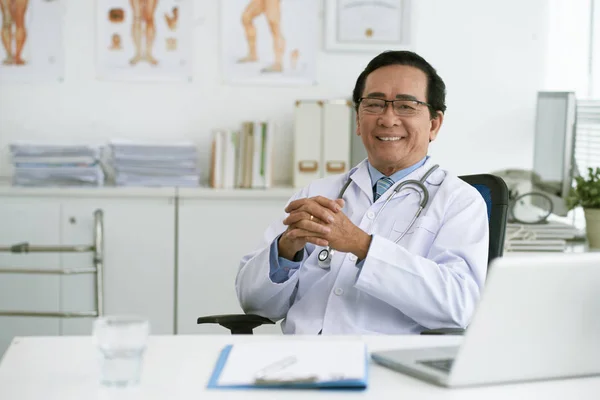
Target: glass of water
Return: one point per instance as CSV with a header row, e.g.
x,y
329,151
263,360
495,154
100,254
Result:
x,y
121,341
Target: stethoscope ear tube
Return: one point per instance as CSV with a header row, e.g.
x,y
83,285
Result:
x,y
325,255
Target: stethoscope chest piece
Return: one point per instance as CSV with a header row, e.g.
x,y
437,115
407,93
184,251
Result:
x,y
325,257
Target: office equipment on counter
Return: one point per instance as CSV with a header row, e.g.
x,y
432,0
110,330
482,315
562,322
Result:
x,y
543,191
322,138
536,320
554,147
294,364
547,236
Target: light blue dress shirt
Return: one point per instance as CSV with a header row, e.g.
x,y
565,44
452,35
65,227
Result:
x,y
281,267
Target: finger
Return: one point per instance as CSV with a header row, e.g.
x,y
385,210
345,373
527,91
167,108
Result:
x,y
340,202
318,211
328,203
298,216
294,205
317,241
311,226
298,233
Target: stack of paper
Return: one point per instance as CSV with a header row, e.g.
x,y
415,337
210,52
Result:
x,y
56,165
154,164
292,363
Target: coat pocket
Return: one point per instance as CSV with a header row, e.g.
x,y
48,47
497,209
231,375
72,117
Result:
x,y
419,236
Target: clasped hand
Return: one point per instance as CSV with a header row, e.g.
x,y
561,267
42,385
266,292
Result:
x,y
320,221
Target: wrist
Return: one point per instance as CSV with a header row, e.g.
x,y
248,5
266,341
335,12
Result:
x,y
285,250
361,247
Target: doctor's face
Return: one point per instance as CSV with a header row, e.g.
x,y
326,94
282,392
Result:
x,y
396,137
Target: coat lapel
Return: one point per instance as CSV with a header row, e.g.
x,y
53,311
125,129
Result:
x,y
362,179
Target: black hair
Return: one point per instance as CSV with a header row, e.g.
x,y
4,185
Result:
x,y
436,89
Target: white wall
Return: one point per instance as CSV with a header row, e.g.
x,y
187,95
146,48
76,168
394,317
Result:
x,y
595,85
568,47
491,55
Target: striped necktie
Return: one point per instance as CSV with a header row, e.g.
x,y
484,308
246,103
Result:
x,y
382,185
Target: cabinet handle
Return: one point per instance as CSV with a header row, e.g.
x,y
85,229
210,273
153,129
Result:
x,y
308,165
336,166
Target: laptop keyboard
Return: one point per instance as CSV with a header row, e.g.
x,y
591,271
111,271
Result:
x,y
442,365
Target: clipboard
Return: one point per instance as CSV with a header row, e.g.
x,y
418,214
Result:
x,y
264,379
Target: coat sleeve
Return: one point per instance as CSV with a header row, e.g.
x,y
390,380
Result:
x,y
256,291
441,289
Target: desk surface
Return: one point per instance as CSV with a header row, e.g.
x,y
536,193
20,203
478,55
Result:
x,y
178,367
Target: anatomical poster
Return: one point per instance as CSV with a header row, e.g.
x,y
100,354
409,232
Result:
x,y
144,40
32,46
269,42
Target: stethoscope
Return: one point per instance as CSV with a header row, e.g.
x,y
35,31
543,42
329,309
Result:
x,y
324,257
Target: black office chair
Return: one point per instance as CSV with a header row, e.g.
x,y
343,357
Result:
x,y
495,193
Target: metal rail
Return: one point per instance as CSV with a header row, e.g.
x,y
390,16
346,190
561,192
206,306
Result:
x,y
97,248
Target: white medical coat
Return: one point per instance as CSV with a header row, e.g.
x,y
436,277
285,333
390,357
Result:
x,y
431,279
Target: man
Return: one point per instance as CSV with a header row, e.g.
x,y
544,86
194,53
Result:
x,y
13,13
272,10
143,13
391,273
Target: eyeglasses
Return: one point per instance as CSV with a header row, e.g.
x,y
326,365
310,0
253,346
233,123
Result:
x,y
402,108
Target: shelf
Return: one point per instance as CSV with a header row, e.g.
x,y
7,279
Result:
x,y
273,193
6,190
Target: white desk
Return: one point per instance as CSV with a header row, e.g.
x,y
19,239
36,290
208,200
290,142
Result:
x,y
178,367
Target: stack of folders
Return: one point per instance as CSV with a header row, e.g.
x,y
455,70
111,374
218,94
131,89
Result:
x,y
244,158
154,164
548,236
56,165
293,363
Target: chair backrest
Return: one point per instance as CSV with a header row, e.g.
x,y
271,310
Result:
x,y
495,193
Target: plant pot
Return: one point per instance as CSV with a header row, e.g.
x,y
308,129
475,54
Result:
x,y
592,226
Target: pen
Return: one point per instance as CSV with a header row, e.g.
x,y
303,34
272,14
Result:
x,y
276,366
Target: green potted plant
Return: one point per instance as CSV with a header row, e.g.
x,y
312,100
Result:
x,y
586,194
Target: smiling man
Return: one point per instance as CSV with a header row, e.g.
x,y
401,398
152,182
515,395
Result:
x,y
396,245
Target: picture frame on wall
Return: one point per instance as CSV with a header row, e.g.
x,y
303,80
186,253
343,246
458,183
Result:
x,y
32,48
144,40
367,25
269,43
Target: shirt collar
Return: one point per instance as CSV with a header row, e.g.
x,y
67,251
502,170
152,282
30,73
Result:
x,y
396,176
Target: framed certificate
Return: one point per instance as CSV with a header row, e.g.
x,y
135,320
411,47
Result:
x,y
367,25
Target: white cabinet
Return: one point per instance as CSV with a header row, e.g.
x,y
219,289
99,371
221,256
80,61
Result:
x,y
37,222
170,255
139,262
216,228
139,257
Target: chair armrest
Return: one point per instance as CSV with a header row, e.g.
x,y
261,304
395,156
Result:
x,y
236,323
444,331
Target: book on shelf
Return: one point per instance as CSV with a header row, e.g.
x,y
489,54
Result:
x,y
243,158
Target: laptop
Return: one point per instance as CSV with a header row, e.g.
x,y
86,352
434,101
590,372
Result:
x,y
538,318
